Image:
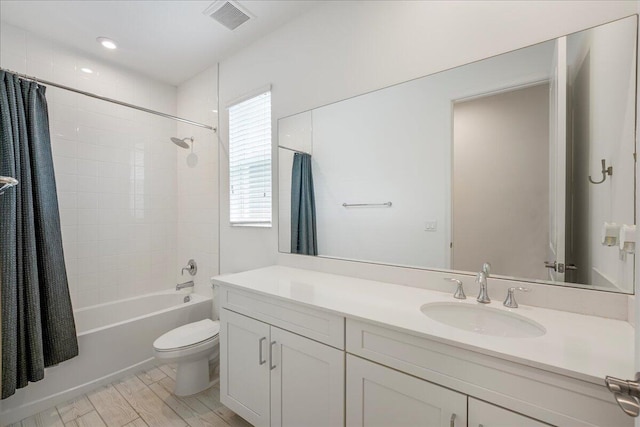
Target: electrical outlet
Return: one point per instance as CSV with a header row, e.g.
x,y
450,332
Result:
x,y
431,225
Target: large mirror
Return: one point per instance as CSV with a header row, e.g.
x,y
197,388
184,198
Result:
x,y
524,160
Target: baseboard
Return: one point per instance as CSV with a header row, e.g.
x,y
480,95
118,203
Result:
x,y
16,414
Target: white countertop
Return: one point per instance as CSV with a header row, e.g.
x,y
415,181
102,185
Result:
x,y
583,347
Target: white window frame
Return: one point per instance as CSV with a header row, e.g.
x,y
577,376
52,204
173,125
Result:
x,y
250,160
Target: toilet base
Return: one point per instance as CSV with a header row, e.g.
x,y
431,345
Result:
x,y
189,377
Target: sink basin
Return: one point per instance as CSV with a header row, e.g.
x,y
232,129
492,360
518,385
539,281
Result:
x,y
483,320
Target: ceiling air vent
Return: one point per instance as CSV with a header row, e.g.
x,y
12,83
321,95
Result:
x,y
228,13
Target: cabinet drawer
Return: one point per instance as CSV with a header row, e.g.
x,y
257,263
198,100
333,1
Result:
x,y
318,325
553,398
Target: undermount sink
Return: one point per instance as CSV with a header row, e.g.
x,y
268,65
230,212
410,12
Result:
x,y
483,320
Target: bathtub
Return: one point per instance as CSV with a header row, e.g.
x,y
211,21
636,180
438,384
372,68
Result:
x,y
114,339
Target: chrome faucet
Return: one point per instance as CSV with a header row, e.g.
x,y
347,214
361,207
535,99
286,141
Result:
x,y
510,300
188,284
191,268
481,279
459,294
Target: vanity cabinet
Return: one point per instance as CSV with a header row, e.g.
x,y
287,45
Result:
x,y
380,397
244,367
273,377
284,361
483,414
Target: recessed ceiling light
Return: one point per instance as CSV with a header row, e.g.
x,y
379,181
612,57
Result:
x,y
107,42
86,70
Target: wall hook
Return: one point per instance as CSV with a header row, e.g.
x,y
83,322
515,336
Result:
x,y
605,171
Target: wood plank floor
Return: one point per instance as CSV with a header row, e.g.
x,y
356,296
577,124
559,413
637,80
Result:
x,y
141,400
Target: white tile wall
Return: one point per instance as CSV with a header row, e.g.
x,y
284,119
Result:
x,y
198,186
116,170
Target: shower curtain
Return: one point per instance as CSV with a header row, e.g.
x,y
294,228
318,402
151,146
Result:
x,y
38,329
304,239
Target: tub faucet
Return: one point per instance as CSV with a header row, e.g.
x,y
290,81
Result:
x,y
188,284
481,279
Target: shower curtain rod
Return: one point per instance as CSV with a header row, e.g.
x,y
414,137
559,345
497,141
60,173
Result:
x,y
104,98
291,149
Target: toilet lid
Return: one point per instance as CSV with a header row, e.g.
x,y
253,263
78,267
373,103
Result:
x,y
187,335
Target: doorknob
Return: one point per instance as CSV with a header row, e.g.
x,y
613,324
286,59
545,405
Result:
x,y
627,394
559,267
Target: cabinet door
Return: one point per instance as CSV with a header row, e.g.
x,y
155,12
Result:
x,y
482,414
379,396
244,367
307,382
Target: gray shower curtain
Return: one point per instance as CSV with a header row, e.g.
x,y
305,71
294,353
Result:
x,y
304,239
38,329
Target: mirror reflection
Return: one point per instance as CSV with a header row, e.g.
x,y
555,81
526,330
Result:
x,y
524,160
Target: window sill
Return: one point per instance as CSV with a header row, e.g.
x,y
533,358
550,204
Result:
x,y
270,225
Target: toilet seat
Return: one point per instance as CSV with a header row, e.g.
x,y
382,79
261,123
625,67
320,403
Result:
x,y
197,334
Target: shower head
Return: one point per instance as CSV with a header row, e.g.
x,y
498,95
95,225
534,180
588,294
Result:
x,y
182,142
7,182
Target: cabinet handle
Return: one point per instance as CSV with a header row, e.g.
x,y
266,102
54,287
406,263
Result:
x,y
272,366
452,423
262,362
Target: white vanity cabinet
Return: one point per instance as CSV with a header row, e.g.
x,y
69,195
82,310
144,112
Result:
x,y
538,394
301,348
380,397
273,377
483,414
244,367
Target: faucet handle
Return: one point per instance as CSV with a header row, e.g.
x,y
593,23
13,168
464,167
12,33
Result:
x,y
481,277
191,268
510,300
486,268
459,294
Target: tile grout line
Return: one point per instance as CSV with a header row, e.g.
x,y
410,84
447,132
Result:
x,y
113,384
193,410
59,416
163,404
95,409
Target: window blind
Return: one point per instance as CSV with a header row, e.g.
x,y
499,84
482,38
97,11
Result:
x,y
250,161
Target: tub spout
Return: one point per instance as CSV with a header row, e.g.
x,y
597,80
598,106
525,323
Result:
x,y
188,284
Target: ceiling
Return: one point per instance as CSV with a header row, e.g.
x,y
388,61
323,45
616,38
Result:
x,y
170,41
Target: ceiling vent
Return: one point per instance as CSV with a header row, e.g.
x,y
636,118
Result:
x,y
228,13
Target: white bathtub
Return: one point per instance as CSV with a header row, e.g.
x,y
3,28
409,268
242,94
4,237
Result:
x,y
114,339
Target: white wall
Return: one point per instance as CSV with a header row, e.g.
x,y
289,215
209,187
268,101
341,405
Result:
x,y
341,49
198,185
612,137
501,182
115,170
603,128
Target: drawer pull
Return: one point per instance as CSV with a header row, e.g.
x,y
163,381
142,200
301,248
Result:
x,y
452,423
262,362
273,366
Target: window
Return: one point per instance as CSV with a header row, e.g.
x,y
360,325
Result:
x,y
250,161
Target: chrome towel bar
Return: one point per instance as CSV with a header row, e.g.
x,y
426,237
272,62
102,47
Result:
x,y
349,205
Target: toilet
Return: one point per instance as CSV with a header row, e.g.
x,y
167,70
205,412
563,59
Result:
x,y
191,346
